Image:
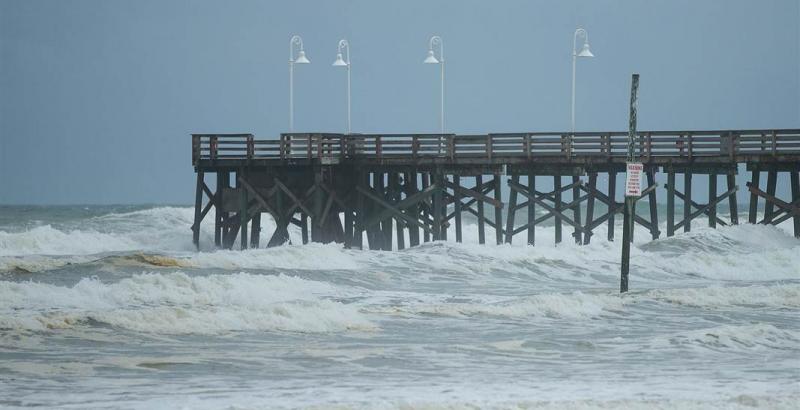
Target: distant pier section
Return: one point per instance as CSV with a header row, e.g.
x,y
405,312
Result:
x,y
398,190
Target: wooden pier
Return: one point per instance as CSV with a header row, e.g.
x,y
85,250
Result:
x,y
416,186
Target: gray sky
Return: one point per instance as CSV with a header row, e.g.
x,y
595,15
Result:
x,y
98,98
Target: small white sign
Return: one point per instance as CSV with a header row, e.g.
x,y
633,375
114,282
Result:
x,y
633,179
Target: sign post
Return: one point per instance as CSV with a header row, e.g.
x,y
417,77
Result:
x,y
633,187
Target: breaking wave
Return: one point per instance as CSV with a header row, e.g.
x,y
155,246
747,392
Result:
x,y
177,303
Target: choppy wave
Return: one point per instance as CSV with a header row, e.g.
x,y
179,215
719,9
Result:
x,y
177,303
744,252
757,336
574,305
779,295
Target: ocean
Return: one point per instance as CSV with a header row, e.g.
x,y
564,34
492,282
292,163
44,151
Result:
x,y
111,307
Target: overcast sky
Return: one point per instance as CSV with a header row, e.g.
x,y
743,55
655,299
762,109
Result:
x,y
98,98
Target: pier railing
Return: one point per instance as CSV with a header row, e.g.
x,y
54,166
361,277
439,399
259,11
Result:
x,y
333,147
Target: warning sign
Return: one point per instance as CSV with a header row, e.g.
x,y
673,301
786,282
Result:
x,y
633,179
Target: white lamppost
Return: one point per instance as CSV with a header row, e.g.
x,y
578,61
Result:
x,y
340,62
301,59
431,59
584,53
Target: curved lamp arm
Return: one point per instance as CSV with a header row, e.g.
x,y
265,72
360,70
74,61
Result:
x,y
436,40
343,44
295,40
579,32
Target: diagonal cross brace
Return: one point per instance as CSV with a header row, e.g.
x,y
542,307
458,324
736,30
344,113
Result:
x,y
705,208
539,200
397,209
681,196
785,206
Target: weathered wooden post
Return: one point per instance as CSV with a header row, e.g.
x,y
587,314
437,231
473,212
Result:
x,y
630,187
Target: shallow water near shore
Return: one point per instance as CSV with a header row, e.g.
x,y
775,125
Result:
x,y
111,307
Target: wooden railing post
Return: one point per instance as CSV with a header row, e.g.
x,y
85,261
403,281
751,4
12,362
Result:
x,y
414,146
251,149
212,147
195,149
451,147
528,145
378,147
489,147
774,143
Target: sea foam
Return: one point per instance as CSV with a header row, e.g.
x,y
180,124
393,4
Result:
x,y
177,303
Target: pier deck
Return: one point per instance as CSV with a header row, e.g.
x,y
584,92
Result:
x,y
397,186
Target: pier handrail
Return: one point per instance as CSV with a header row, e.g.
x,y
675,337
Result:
x,y
531,145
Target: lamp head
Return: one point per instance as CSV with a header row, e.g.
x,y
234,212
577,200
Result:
x,y
339,61
301,58
431,59
585,52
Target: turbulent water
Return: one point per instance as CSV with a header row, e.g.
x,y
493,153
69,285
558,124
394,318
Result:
x,y
112,307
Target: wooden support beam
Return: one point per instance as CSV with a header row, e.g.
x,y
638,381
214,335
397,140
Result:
x,y
732,200
410,182
443,208
457,206
590,206
219,213
753,215
651,181
396,196
282,219
304,227
512,203
255,230
687,201
557,190
576,210
243,210
437,205
425,177
480,215
712,193
670,203
612,194
795,182
386,223
531,209
498,210
360,219
769,207
198,203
